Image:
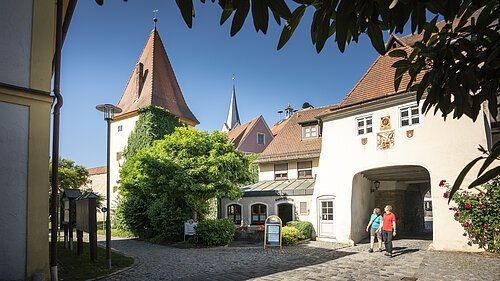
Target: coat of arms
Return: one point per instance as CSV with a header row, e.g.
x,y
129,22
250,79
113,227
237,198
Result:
x,y
409,133
364,141
385,123
385,140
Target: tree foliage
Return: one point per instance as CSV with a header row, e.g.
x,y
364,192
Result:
x,y
153,124
71,175
177,177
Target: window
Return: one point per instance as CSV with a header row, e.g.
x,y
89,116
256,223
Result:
x,y
261,138
304,170
409,115
234,213
259,213
310,131
327,210
281,171
120,128
364,125
303,208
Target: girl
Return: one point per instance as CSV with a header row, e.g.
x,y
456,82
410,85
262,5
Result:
x,y
374,222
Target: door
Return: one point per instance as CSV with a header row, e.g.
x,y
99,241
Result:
x,y
285,212
326,218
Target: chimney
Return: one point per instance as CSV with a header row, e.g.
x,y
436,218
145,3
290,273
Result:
x,y
139,78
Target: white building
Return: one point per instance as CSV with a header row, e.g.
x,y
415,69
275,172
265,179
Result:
x,y
378,136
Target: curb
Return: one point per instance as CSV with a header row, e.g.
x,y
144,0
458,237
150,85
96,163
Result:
x,y
118,271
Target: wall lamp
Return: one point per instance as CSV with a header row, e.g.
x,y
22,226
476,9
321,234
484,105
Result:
x,y
376,185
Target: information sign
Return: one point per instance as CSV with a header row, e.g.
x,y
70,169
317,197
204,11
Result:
x,y
190,227
272,232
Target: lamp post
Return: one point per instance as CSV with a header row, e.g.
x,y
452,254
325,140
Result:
x,y
109,112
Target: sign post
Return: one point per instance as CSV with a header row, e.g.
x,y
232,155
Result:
x,y
272,232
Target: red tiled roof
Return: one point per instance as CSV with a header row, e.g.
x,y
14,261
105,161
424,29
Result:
x,y
97,170
239,133
159,86
288,143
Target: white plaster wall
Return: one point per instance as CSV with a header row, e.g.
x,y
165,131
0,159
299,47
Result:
x,y
362,203
14,135
272,206
443,148
15,38
118,143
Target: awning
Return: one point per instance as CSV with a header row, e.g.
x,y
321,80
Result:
x,y
280,188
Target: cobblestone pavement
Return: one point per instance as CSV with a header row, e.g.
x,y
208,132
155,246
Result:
x,y
310,261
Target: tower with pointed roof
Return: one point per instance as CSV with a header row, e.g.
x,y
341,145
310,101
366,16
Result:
x,y
233,117
152,82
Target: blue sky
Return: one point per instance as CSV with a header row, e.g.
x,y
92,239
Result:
x,y
104,43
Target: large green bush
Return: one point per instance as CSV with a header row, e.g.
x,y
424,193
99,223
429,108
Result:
x,y
479,214
167,219
305,228
290,235
218,232
132,216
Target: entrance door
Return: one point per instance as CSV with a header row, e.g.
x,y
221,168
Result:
x,y
285,212
326,222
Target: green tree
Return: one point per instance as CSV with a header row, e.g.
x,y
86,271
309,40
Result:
x,y
153,124
181,174
71,175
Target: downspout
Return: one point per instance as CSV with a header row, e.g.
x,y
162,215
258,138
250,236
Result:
x,y
55,142
56,127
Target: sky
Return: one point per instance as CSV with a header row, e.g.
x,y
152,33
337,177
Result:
x,y
104,42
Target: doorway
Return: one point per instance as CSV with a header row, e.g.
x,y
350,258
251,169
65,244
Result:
x,y
285,212
326,208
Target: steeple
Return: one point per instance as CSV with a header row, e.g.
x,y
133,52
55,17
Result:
x,y
153,82
233,117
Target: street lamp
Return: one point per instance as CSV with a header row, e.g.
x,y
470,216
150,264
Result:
x,y
376,185
109,112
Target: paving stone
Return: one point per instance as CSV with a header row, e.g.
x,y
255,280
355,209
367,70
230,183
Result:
x,y
312,261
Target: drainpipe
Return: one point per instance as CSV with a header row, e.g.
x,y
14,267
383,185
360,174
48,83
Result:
x,y
55,142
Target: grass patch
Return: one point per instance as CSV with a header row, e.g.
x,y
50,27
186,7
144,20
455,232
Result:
x,y
101,230
74,267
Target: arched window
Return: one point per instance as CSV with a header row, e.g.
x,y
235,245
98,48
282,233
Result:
x,y
259,213
234,213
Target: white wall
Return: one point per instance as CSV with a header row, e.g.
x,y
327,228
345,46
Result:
x,y
443,148
15,38
13,189
118,143
266,170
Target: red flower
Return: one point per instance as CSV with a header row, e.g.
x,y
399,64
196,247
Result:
x,y
480,194
485,234
456,214
467,206
467,197
445,195
486,225
466,224
465,234
451,208
481,205
442,182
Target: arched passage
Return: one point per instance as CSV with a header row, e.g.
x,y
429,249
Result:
x,y
403,187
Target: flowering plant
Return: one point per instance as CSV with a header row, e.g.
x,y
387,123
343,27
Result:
x,y
478,213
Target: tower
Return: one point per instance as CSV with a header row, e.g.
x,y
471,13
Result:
x,y
152,82
233,117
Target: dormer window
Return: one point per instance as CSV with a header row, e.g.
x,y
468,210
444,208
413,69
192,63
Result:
x,y
281,171
364,125
309,131
261,139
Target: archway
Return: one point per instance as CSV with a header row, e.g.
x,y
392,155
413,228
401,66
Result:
x,y
403,187
285,212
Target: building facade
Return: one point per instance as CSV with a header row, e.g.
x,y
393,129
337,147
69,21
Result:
x,y
26,55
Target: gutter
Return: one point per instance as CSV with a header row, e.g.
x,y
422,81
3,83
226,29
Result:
x,y
56,64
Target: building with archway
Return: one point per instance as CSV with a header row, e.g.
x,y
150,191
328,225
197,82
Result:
x,y
380,149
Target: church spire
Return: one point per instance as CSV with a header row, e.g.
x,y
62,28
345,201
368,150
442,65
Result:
x,y
233,117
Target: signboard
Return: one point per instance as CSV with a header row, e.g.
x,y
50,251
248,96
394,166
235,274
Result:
x,y
190,227
272,232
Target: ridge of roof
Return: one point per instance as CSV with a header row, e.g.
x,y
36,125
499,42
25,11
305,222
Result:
x,y
97,170
238,134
